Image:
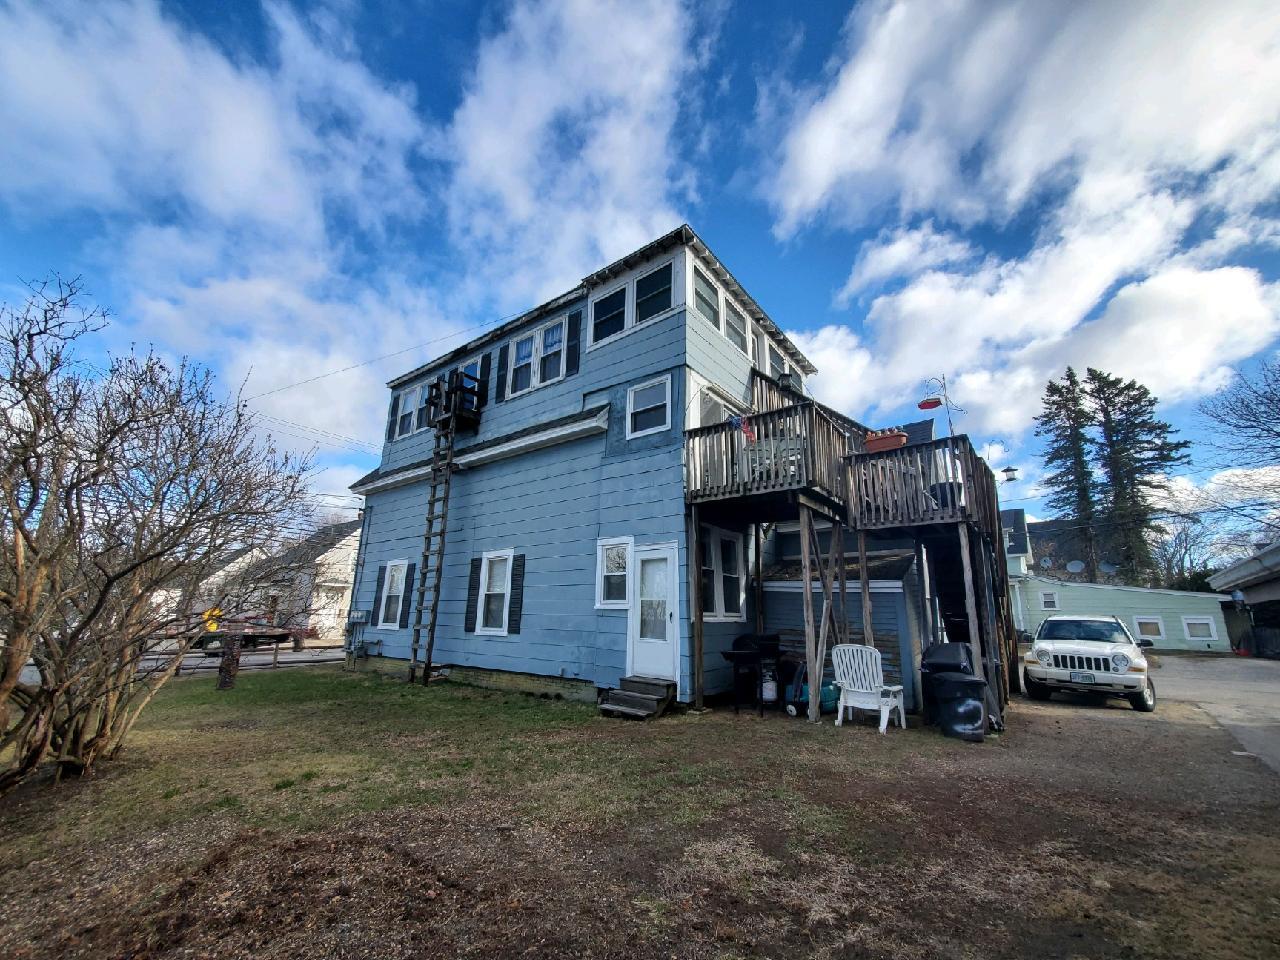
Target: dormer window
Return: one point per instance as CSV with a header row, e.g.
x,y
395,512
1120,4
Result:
x,y
609,315
537,358
551,363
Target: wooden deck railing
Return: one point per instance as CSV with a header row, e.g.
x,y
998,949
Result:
x,y
944,481
791,448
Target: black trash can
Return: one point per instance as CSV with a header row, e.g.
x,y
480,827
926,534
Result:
x,y
954,698
960,704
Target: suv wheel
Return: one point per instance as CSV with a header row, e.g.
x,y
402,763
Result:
x,y
1036,690
1145,701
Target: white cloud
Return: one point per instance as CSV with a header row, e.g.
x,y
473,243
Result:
x,y
1110,128
845,378
565,146
901,253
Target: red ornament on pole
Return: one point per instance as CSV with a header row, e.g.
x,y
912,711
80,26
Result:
x,y
930,403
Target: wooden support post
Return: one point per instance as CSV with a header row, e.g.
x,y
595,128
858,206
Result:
x,y
275,655
864,578
759,587
695,566
810,637
971,602
843,635
926,586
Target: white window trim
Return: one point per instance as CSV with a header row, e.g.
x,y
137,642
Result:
x,y
1213,629
535,372
1140,619
601,544
1044,595
400,395
715,535
725,301
629,324
394,623
631,392
489,555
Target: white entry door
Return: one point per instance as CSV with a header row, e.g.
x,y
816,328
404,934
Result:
x,y
653,637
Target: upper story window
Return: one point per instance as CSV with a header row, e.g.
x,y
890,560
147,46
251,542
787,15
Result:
x,y
706,299
424,408
609,315
405,409
537,358
653,293
777,365
636,302
1048,600
649,407
735,326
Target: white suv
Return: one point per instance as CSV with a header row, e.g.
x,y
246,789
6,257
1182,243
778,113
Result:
x,y
1089,655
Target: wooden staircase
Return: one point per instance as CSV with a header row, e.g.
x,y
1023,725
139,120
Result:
x,y
639,698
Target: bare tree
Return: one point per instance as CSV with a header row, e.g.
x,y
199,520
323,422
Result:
x,y
1245,433
124,490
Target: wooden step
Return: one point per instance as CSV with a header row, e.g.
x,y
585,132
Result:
x,y
663,689
626,703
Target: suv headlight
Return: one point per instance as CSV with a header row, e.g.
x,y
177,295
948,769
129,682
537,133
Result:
x,y
1045,657
1120,662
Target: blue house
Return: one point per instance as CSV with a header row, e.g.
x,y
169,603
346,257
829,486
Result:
x,y
609,489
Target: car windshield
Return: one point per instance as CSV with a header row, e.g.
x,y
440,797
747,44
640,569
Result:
x,y
1097,631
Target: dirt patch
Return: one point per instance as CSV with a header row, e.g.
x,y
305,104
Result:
x,y
1082,832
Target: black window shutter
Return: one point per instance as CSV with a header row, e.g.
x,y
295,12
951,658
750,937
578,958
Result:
x,y
406,600
501,391
516,606
377,596
473,594
484,380
391,423
573,343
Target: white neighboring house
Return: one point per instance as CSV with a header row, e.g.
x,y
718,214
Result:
x,y
1170,619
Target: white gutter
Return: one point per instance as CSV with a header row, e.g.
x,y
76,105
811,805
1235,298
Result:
x,y
1263,565
502,451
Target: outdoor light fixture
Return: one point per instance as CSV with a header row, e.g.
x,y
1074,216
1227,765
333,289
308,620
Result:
x,y
1010,474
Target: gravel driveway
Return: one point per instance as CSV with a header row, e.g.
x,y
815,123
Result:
x,y
1241,693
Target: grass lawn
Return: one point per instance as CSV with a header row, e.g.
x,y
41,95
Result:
x,y
315,813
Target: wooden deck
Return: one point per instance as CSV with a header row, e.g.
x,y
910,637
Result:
x,y
796,448
944,481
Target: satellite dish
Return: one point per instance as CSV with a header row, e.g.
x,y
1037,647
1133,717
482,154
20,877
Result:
x,y
1075,566
1106,566
1045,563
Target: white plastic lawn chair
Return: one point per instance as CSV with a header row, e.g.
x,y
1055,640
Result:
x,y
861,681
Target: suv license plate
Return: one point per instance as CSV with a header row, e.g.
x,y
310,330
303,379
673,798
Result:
x,y
1082,678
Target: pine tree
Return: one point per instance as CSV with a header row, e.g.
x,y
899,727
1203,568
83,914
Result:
x,y
1134,452
1064,426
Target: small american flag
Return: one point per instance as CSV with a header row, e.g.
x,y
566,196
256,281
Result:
x,y
743,424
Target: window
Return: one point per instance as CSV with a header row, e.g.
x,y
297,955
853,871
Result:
x,y
405,412
721,565
424,410
735,326
757,348
470,369
393,587
1049,600
706,298
653,293
713,408
495,592
522,365
1200,629
551,361
609,315
649,407
1149,628
777,366
537,359
613,573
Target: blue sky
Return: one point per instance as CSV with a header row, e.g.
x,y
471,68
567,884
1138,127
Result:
x,y
979,189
